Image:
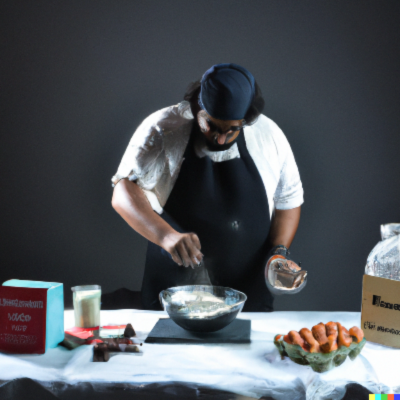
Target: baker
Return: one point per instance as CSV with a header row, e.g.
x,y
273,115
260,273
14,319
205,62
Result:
x,y
213,185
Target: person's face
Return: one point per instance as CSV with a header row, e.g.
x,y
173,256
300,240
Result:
x,y
217,131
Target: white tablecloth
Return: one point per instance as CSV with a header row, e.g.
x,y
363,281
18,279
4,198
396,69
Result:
x,y
252,370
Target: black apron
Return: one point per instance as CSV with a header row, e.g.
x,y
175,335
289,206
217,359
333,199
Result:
x,y
226,205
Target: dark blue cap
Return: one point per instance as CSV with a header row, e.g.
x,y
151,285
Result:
x,y
227,91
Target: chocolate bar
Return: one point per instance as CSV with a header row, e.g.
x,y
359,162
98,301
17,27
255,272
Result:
x,y
101,351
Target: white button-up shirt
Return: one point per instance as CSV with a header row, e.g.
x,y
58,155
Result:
x,y
155,153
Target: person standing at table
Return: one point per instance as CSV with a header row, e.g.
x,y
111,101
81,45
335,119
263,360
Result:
x,y
213,178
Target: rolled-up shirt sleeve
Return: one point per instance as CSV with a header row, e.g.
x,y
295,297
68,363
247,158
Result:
x,y
289,192
144,159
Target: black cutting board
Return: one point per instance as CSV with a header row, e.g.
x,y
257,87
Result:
x,y
167,331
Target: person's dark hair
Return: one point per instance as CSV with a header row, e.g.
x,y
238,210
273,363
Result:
x,y
255,109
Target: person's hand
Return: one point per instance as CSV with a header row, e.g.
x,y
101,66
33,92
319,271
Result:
x,y
184,248
283,253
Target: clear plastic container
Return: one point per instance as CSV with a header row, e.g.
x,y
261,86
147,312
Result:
x,y
384,259
87,305
389,230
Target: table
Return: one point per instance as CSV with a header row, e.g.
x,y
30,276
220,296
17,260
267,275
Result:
x,y
252,370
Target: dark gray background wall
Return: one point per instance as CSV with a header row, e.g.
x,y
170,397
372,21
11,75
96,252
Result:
x,y
77,77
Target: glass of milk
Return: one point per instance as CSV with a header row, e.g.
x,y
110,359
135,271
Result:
x,y
87,305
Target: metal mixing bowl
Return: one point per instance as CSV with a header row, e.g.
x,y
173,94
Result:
x,y
202,308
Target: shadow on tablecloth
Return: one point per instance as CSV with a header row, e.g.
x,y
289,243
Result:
x,y
28,389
